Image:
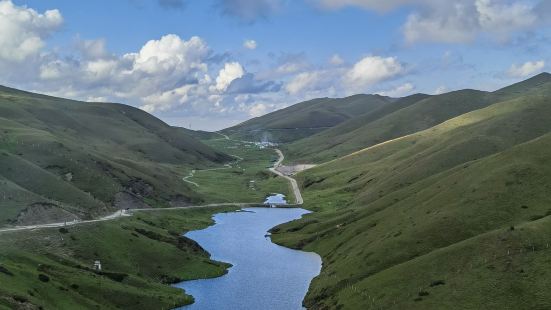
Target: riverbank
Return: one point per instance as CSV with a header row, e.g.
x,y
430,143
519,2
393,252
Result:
x,y
52,268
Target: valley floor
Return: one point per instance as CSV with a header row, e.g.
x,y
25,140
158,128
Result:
x,y
51,265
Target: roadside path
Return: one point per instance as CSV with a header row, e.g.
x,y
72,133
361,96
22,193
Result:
x,y
294,184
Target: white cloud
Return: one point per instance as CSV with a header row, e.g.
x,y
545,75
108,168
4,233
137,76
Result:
x,y
457,21
93,49
258,109
371,70
228,74
23,30
304,81
526,69
336,60
400,91
171,54
250,44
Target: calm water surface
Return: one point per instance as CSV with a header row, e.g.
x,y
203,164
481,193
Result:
x,y
276,199
264,275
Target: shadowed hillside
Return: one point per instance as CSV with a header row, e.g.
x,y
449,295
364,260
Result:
x,y
455,216
305,118
63,159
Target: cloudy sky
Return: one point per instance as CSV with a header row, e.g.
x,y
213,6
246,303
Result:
x,y
208,64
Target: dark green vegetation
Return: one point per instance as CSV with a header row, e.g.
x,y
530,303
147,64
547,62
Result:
x,y
399,118
140,255
305,119
456,216
62,159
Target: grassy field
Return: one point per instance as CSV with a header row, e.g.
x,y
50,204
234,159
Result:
x,y
52,268
248,180
452,217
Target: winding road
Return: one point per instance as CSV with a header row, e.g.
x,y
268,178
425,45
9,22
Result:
x,y
293,182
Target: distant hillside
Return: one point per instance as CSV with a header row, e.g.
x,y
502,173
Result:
x,y
63,159
306,118
452,217
403,117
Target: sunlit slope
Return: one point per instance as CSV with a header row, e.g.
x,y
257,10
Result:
x,y
406,116
465,203
306,118
63,159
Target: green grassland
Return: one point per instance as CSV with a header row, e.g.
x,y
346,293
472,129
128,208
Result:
x,y
234,184
399,118
52,268
452,217
306,118
74,159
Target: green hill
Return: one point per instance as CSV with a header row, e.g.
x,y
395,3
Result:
x,y
63,159
452,217
305,118
403,117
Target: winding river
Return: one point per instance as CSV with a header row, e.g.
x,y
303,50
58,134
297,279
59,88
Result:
x,y
264,275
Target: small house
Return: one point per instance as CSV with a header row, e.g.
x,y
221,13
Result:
x,y
97,265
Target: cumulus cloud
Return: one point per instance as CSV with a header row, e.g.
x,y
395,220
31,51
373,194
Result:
x,y
228,74
248,84
307,81
526,69
250,44
23,30
249,10
400,91
371,70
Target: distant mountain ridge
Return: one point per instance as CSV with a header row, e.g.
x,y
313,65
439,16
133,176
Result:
x,y
306,118
405,116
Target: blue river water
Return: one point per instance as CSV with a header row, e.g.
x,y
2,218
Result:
x,y
275,199
264,275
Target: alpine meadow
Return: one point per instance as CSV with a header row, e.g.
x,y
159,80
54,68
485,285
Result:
x,y
271,154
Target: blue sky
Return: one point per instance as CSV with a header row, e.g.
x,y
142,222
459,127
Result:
x,y
187,61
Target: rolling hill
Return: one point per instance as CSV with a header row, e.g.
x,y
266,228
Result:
x,y
405,116
454,216
305,118
62,159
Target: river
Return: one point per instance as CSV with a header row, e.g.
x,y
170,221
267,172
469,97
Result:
x,y
264,275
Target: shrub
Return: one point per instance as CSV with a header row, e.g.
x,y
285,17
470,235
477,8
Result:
x,y
5,271
437,282
43,278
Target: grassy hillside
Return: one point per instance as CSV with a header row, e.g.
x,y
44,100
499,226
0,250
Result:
x,y
405,116
305,118
140,256
455,216
62,159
